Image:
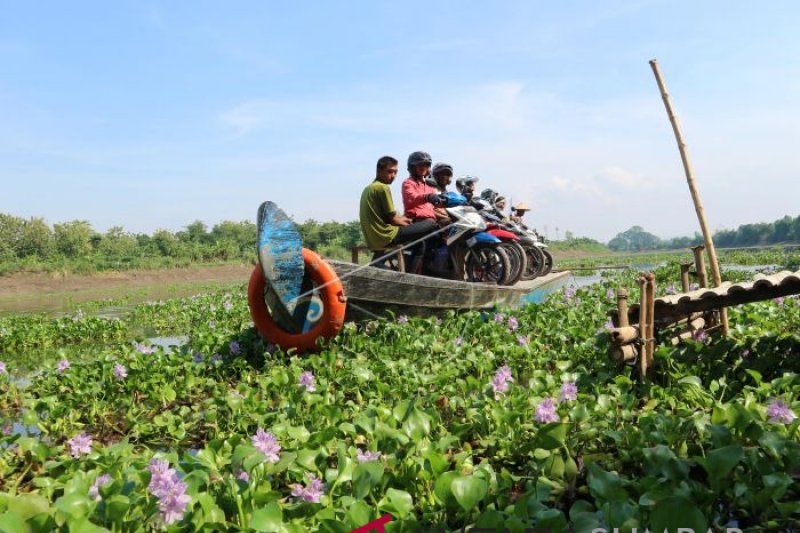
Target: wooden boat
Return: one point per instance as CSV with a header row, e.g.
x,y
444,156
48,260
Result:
x,y
296,297
371,292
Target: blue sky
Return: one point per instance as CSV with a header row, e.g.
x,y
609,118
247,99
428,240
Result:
x,y
155,114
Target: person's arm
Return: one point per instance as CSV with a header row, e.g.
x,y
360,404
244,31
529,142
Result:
x,y
413,195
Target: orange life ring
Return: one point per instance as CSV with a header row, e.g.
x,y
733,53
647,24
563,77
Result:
x,y
333,306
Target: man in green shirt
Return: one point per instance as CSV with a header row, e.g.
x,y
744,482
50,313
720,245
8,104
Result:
x,y
381,225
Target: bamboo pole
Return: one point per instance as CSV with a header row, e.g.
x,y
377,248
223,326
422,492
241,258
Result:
x,y
644,307
622,308
685,276
698,205
700,266
650,341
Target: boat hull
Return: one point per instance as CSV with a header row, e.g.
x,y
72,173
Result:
x,y
372,292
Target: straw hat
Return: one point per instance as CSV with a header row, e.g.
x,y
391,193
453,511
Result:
x,y
521,207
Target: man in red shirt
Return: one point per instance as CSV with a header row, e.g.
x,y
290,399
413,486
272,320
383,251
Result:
x,y
419,197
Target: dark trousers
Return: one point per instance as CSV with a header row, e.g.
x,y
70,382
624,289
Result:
x,y
411,233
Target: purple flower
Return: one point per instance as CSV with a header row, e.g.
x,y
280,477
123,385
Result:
x,y
80,444
610,294
569,293
3,368
162,477
267,444
141,348
700,335
458,341
307,381
311,492
402,319
244,476
746,353
523,340
498,317
8,429
365,457
671,290
62,367
569,391
227,305
120,372
172,504
500,381
234,348
513,324
779,300
779,412
198,357
94,490
609,325
546,411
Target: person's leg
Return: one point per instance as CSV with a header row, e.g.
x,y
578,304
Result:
x,y
414,232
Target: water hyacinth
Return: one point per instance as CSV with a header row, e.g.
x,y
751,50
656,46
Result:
x,y
243,476
513,323
523,340
234,348
365,457
3,369
120,372
458,341
141,348
80,444
569,293
546,411
700,335
307,381
500,381
227,305
779,412
499,318
62,367
170,491
312,492
671,290
94,490
402,319
779,300
569,392
198,357
267,444
610,294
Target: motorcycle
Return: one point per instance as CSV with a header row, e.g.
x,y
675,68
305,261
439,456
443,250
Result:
x,y
468,252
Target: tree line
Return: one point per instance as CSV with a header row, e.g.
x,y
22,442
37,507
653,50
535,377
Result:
x,y
34,244
783,231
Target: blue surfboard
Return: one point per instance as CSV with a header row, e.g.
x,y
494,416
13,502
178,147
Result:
x,y
288,290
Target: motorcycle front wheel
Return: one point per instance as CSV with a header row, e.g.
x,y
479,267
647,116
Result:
x,y
548,262
487,263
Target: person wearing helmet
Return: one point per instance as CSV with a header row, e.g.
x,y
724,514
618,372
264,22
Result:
x,y
380,223
466,186
418,196
442,174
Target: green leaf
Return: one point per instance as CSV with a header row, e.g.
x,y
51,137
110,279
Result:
x,y
267,518
469,491
721,461
417,425
299,433
169,394
74,505
442,487
27,505
401,501
551,436
12,523
674,513
606,485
